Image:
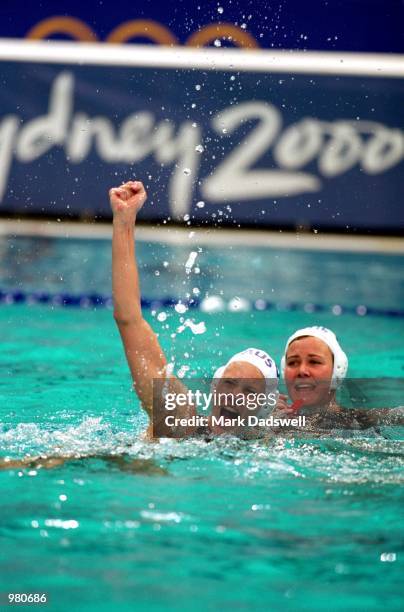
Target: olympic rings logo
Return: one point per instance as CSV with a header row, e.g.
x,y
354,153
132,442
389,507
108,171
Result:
x,y
144,28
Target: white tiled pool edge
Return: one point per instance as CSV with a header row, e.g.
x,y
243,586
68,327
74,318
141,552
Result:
x,y
211,236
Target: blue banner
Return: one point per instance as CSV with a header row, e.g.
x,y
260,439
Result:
x,y
221,146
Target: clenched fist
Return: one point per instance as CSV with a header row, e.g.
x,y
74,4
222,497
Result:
x,y
127,200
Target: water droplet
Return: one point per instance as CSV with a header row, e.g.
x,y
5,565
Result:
x,y
217,43
238,304
199,148
190,261
220,10
197,87
180,308
200,204
389,557
187,171
196,328
182,371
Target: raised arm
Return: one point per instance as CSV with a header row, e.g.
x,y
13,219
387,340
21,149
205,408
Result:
x,y
144,354
145,357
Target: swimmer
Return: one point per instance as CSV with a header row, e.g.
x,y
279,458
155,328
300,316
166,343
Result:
x,y
123,462
251,372
314,366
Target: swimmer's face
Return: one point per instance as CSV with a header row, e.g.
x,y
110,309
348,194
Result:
x,y
308,371
235,392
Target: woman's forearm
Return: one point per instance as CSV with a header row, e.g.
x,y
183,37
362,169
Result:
x,y
143,352
125,278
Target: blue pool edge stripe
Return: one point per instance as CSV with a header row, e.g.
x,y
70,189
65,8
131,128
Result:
x,y
95,300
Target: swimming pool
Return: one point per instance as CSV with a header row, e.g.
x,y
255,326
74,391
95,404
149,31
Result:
x,y
304,524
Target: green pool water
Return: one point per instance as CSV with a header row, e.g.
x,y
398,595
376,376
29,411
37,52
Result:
x,y
287,525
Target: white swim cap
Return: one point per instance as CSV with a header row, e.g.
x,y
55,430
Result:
x,y
327,336
260,359
265,364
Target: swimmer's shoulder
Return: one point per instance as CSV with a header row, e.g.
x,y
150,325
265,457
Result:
x,y
355,418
